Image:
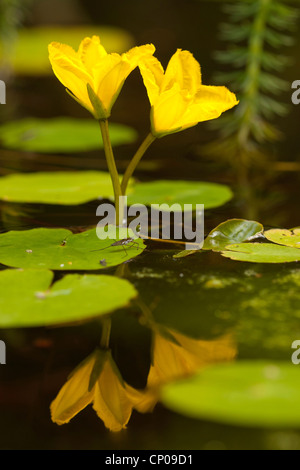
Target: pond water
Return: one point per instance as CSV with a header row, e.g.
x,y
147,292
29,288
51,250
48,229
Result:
x,y
224,311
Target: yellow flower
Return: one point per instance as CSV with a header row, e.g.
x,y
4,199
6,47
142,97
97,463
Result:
x,y
94,77
176,355
98,381
177,97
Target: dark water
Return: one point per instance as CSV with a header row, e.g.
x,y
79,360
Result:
x,y
179,293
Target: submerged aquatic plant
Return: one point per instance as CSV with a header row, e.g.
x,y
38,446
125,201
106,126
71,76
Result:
x,y
178,98
255,32
12,15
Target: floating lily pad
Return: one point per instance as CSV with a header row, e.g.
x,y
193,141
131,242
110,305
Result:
x,y
247,393
180,192
262,253
83,186
284,237
60,249
66,188
29,55
230,232
61,135
29,299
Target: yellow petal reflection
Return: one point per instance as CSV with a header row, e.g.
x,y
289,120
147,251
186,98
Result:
x,y
112,399
97,380
183,356
91,65
177,97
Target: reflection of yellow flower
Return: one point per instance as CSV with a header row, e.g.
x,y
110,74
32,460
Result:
x,y
94,77
177,97
98,381
176,355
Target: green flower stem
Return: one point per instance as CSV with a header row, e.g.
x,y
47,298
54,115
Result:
x,y
105,336
135,161
111,167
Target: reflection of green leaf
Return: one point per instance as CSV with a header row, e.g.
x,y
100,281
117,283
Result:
x,y
180,192
231,231
60,249
28,300
247,393
63,135
261,253
284,237
66,188
30,53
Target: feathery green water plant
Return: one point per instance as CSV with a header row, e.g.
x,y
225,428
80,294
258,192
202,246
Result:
x,y
256,31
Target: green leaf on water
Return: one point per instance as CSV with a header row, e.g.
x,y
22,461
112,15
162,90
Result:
x,y
284,237
180,192
261,253
79,187
29,54
230,232
73,298
246,393
60,249
61,135
61,187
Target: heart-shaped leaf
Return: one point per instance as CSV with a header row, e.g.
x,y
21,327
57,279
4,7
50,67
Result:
x,y
60,249
230,232
29,299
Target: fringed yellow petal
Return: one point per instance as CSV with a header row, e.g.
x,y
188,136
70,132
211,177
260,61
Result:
x,y
91,52
91,65
70,73
136,54
210,102
112,71
167,112
153,74
110,75
178,99
73,396
183,69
